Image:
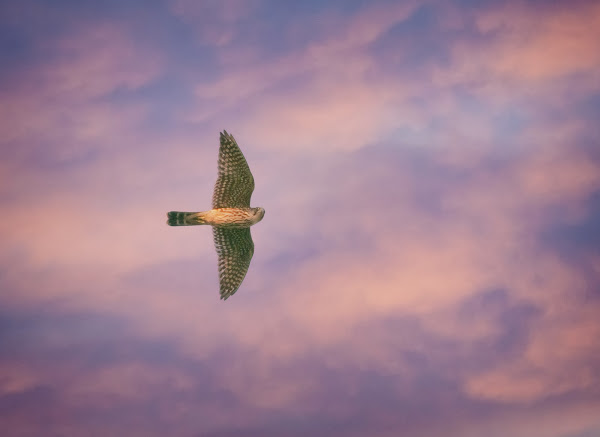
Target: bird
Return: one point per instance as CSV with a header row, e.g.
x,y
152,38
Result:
x,y
230,217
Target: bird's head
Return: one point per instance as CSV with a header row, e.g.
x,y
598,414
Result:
x,y
259,213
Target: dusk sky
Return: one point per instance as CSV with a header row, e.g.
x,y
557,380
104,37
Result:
x,y
429,260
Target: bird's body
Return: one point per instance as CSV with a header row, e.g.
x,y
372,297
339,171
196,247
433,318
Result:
x,y
219,217
231,216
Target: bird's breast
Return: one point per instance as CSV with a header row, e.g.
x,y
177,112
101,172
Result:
x,y
231,217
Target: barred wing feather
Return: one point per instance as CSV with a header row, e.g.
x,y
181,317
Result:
x,y
235,183
235,249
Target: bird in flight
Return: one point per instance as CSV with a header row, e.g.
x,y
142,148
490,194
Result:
x,y
231,216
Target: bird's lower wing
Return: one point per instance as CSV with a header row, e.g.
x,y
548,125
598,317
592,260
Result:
x,y
235,249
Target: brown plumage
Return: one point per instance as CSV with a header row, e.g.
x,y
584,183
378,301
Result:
x,y
231,216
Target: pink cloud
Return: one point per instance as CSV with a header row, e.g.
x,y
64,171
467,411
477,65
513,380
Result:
x,y
95,60
532,47
549,421
527,51
564,341
56,100
337,92
214,22
341,81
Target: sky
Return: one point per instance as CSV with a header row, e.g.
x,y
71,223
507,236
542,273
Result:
x,y
429,260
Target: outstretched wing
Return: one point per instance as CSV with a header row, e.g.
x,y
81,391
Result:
x,y
235,249
235,182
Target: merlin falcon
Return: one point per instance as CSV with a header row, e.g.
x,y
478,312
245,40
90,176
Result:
x,y
231,216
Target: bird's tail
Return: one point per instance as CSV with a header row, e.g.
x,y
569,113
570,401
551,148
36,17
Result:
x,y
179,218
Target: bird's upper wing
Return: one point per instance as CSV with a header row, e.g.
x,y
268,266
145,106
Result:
x,y
235,182
235,249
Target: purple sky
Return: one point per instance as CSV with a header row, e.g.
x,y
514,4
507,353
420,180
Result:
x,y
429,260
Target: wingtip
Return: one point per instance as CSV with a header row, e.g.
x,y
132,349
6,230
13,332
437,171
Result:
x,y
225,135
227,294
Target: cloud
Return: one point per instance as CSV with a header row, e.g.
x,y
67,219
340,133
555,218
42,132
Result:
x,y
480,68
557,44
215,23
404,269
525,53
57,107
326,84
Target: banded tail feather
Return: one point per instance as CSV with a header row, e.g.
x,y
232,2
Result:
x,y
181,218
